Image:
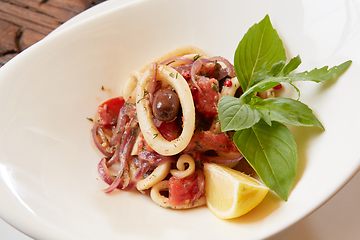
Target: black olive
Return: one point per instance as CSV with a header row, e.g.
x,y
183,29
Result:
x,y
165,105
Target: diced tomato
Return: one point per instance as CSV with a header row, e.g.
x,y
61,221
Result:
x,y
217,141
206,100
170,130
183,191
210,70
109,110
206,140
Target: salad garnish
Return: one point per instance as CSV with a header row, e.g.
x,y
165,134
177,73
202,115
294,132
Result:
x,y
259,124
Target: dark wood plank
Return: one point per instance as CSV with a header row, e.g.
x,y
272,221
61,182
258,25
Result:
x,y
24,22
8,33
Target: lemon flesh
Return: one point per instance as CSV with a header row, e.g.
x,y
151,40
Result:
x,y
230,193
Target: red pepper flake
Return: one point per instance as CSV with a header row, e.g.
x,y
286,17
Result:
x,y
228,83
194,90
186,75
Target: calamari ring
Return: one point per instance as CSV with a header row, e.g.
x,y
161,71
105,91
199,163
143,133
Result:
x,y
159,173
230,91
130,84
151,134
185,51
182,171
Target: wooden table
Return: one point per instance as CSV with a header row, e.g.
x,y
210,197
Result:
x,y
24,22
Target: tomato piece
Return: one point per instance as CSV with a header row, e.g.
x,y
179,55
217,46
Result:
x,y
109,110
208,140
206,100
194,144
183,190
170,130
210,70
217,141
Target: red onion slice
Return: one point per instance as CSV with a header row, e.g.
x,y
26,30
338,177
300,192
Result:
x,y
104,172
152,80
201,186
232,158
229,66
155,159
126,111
97,139
183,68
195,69
121,175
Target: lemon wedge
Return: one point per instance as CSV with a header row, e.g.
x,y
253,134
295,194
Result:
x,y
230,193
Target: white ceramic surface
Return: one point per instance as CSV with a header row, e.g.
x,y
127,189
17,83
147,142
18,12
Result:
x,y
48,178
337,219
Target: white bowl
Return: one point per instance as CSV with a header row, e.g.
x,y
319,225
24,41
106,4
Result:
x,y
48,180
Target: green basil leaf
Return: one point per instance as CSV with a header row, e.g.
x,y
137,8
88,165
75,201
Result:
x,y
272,152
264,85
258,50
292,65
289,111
315,75
260,136
235,114
275,70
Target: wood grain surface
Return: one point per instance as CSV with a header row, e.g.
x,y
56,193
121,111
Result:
x,y
24,22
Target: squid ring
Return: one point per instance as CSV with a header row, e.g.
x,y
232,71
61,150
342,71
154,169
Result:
x,y
181,172
151,134
156,176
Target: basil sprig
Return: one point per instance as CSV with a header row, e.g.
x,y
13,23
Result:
x,y
261,136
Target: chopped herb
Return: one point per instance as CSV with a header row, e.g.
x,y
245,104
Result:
x,y
198,144
207,73
217,66
90,119
196,57
214,87
171,75
157,87
170,62
155,135
145,93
